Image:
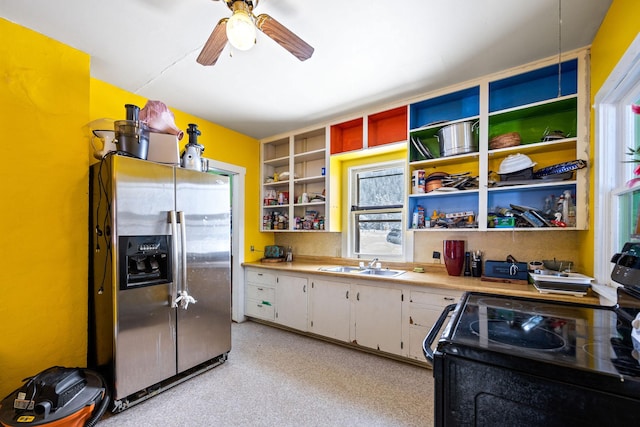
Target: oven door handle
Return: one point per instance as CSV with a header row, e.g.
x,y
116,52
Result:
x,y
433,333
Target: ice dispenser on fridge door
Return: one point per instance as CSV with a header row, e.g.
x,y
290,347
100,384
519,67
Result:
x,y
144,260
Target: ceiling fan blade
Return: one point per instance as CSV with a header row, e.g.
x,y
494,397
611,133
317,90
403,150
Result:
x,y
214,45
285,38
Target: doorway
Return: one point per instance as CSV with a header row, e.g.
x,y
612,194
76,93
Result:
x,y
236,176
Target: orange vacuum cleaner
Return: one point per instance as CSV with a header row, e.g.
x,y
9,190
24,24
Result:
x,y
57,397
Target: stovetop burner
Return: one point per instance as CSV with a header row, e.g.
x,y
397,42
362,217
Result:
x,y
512,334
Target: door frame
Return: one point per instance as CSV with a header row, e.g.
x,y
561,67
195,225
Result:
x,y
236,175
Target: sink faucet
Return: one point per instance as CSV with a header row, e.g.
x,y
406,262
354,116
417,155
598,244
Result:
x,y
373,263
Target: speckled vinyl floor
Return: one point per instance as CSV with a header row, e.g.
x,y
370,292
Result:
x,y
279,378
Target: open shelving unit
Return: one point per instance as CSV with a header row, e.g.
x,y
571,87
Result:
x,y
533,100
294,175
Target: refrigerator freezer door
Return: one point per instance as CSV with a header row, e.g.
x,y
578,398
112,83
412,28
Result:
x,y
204,327
143,197
145,345
145,341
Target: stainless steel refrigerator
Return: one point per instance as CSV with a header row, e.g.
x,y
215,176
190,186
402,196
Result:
x,y
160,279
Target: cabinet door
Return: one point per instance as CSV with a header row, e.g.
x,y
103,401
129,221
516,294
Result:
x,y
378,318
423,318
329,309
424,310
291,302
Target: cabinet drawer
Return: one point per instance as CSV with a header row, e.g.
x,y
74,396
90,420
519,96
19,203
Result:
x,y
263,278
260,309
423,316
261,293
435,297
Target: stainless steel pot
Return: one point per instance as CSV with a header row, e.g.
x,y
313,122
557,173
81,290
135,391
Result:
x,y
458,138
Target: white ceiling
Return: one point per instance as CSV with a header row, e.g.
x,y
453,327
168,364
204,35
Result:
x,y
367,52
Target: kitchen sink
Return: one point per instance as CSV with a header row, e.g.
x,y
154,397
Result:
x,y
381,272
341,269
363,271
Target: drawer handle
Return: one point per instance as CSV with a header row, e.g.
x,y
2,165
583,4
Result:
x,y
449,299
261,289
347,296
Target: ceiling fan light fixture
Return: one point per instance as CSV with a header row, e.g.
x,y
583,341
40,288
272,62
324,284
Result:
x,y
241,31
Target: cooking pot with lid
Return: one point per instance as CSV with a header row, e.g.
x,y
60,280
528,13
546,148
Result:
x,y
458,138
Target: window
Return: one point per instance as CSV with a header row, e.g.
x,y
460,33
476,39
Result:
x,y
376,219
617,205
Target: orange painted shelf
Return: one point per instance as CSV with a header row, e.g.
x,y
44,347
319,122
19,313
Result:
x,y
347,136
388,126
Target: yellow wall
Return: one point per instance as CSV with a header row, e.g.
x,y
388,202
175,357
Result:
x,y
43,238
618,30
48,99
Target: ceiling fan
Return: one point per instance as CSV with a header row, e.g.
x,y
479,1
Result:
x,y
240,31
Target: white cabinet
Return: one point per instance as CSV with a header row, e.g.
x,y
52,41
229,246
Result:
x,y
423,309
291,301
330,308
388,317
377,318
260,294
277,298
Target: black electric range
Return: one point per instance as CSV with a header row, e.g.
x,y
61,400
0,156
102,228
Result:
x,y
532,362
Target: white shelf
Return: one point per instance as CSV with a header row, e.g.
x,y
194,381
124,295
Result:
x,y
540,184
310,155
532,105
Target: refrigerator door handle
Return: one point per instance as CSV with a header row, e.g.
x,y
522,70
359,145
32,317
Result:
x,y
184,298
173,298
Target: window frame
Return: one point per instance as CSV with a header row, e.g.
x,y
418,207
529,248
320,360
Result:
x,y
614,123
352,228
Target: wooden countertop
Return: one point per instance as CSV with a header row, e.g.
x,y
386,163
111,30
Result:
x,y
435,276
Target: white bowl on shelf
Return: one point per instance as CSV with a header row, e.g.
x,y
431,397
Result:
x,y
514,163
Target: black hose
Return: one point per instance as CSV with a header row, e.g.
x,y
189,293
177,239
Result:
x,y
102,408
